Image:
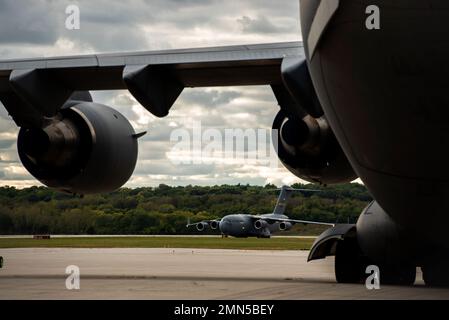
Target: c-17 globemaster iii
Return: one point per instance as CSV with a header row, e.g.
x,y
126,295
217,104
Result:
x,y
261,226
352,102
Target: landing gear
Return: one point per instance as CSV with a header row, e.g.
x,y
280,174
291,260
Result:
x,y
1,262
350,267
404,275
436,275
348,264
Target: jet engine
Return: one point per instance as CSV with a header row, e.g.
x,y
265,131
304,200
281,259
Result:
x,y
214,225
201,226
260,224
285,226
309,149
86,148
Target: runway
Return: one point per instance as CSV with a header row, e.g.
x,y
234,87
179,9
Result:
x,y
184,274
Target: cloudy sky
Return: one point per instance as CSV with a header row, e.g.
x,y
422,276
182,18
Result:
x,y
37,28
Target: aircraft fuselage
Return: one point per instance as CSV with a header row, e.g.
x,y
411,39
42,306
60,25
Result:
x,y
242,226
385,94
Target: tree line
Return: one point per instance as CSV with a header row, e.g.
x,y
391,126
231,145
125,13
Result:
x,y
165,209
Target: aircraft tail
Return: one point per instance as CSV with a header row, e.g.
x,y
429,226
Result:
x,y
284,196
282,200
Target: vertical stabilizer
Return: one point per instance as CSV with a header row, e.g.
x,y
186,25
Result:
x,y
282,200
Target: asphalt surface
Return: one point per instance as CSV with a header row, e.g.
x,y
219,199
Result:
x,y
184,274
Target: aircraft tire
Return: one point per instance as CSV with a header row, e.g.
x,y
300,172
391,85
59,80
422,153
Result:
x,y
348,265
404,275
436,275
1,262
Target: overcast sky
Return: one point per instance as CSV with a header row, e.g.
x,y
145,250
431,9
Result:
x,y
37,28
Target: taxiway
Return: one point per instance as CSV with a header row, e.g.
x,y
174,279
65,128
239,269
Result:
x,y
184,274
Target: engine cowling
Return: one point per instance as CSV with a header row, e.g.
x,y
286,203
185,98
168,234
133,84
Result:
x,y
87,148
285,226
260,224
201,226
309,149
214,225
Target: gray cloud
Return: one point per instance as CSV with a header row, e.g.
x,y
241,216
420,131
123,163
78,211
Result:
x,y
260,24
212,98
27,23
142,25
5,144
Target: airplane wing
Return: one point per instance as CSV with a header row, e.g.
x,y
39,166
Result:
x,y
292,221
208,222
34,88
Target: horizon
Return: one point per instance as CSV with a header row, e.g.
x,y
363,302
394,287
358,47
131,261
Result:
x,y
276,187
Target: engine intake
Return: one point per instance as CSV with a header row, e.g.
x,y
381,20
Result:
x,y
285,226
214,225
201,226
260,224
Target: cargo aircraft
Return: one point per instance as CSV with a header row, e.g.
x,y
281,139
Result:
x,y
354,102
260,226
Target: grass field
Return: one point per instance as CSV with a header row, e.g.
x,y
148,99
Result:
x,y
163,242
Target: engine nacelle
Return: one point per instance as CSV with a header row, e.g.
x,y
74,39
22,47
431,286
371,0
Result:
x,y
285,226
260,224
309,149
87,148
202,226
214,225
